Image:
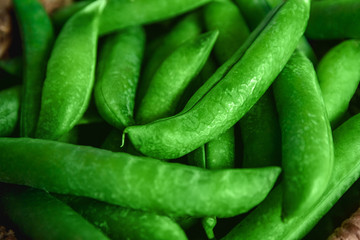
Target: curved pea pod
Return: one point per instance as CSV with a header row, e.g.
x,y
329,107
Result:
x,y
9,110
118,74
124,223
70,74
186,29
265,221
173,76
339,77
122,13
261,135
334,19
38,35
12,66
41,216
130,181
307,146
231,91
222,16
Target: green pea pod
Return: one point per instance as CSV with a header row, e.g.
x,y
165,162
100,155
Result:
x,y
12,66
222,16
173,76
118,74
339,77
260,132
307,146
231,91
122,13
124,223
70,74
41,216
130,181
254,11
335,19
186,29
9,110
37,34
265,221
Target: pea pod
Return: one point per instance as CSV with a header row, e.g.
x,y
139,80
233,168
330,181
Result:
x,y
130,181
265,221
339,77
124,223
37,34
173,76
334,19
227,95
41,216
9,110
118,74
70,74
307,146
12,66
122,13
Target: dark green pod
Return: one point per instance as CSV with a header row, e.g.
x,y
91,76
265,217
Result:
x,y
265,221
41,216
130,181
37,34
118,73
231,91
307,146
9,110
70,74
125,223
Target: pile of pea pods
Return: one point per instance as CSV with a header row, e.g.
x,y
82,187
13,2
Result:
x,y
181,119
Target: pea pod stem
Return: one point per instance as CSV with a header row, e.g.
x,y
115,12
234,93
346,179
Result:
x,y
130,181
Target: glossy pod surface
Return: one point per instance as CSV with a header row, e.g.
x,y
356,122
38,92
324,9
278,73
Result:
x,y
41,216
130,181
307,146
265,221
70,74
227,95
9,110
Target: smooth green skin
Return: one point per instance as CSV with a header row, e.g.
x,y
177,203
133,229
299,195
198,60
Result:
x,y
60,16
37,37
222,16
70,74
307,146
117,76
12,66
186,29
173,76
231,91
261,134
335,19
131,181
339,77
125,223
122,13
41,216
265,221
9,110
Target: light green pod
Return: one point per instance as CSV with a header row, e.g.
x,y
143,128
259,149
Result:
x,y
231,91
41,216
265,222
233,31
125,223
9,110
186,29
118,73
122,13
70,74
335,19
339,77
37,37
307,146
173,76
131,181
